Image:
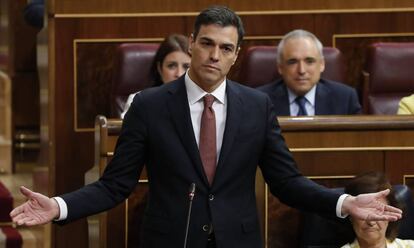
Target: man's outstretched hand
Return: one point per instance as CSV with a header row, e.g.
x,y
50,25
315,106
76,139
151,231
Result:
x,y
370,207
38,209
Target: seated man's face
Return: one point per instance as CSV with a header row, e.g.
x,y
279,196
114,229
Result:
x,y
301,65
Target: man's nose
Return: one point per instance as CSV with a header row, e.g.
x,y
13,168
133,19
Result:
x,y
215,53
301,67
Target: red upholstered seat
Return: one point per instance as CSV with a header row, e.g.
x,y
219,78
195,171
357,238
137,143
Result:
x,y
9,236
388,76
131,72
259,66
6,203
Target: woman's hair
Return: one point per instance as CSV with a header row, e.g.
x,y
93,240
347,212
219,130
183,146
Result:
x,y
373,182
172,43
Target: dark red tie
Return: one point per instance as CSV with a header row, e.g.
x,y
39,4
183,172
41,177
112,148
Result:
x,y
207,144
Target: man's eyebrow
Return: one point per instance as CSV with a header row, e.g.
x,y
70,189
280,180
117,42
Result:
x,y
228,45
206,39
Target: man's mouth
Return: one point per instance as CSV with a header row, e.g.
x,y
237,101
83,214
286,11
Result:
x,y
212,67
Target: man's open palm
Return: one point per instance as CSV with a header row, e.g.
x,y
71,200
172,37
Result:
x,y
370,207
38,209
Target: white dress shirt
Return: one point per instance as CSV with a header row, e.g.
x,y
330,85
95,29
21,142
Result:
x,y
309,105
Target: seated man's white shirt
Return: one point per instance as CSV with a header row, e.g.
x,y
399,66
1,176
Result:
x,y
309,105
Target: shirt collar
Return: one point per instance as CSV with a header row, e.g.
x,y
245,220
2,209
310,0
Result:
x,y
195,93
310,96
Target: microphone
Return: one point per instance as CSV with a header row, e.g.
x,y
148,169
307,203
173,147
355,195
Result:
x,y
191,194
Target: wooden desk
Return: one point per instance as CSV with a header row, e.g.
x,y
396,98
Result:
x,y
330,150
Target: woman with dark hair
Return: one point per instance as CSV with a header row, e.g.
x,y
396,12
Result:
x,y
170,62
375,233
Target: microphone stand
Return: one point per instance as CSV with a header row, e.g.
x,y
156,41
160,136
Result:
x,y
191,195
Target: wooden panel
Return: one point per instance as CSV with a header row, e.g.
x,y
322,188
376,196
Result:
x,y
320,164
5,124
160,6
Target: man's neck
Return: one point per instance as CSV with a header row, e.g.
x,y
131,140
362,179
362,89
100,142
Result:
x,y
207,87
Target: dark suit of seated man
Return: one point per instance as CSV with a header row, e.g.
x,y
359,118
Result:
x,y
301,91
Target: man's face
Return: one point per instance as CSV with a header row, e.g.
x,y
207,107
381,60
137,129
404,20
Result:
x,y
301,65
213,52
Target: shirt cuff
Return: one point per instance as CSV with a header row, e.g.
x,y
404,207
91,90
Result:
x,y
339,206
63,208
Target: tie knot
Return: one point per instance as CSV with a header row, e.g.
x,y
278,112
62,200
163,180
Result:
x,y
208,100
301,101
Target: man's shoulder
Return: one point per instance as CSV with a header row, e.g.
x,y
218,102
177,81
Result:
x,y
337,88
272,86
159,91
334,85
243,89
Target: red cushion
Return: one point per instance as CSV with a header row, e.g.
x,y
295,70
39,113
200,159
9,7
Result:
x,y
6,204
13,237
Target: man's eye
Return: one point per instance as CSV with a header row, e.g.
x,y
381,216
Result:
x,y
310,60
291,61
205,43
228,49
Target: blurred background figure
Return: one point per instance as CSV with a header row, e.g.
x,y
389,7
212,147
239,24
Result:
x,y
375,233
406,106
170,62
34,13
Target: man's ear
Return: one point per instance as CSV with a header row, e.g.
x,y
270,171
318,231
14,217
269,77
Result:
x,y
279,68
237,54
191,42
322,65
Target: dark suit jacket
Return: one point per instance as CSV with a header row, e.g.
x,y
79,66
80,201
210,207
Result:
x,y
157,131
332,98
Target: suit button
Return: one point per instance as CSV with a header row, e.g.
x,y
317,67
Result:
x,y
206,228
211,197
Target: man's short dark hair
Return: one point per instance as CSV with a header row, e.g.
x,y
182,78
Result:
x,y
222,16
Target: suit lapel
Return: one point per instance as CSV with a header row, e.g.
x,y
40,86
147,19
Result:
x,y
323,103
280,99
234,113
180,114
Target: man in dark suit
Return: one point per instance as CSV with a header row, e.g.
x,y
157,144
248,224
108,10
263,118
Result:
x,y
301,91
207,131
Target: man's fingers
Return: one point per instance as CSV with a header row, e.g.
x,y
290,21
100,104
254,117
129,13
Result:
x,y
24,220
19,218
385,192
26,192
32,222
392,209
388,216
16,211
